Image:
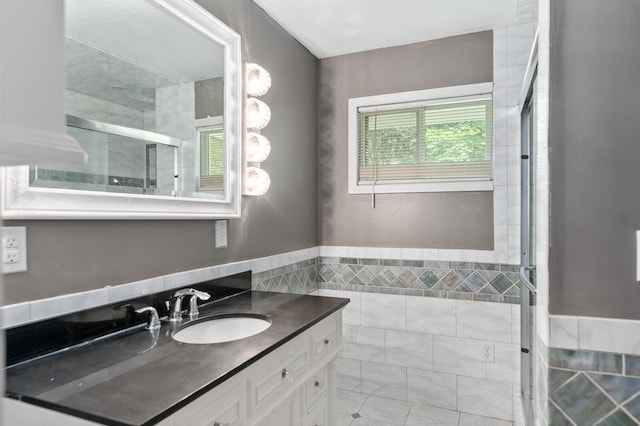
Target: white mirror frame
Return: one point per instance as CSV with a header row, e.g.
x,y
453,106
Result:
x,y
19,201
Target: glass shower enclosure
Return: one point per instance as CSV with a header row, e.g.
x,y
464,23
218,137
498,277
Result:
x,y
528,253
120,159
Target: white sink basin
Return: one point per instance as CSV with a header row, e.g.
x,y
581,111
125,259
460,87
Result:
x,y
220,329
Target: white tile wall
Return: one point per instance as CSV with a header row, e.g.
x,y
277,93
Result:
x,y
431,315
369,347
432,388
436,359
383,311
408,349
595,334
458,356
384,380
484,320
349,374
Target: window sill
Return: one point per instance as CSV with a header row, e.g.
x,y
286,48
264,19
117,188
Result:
x,y
392,188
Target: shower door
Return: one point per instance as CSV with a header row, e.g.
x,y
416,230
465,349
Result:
x,y
528,252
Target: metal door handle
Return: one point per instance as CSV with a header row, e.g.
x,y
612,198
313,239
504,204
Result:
x,y
525,279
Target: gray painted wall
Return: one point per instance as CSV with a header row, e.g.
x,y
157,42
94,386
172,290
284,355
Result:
x,y
462,220
71,256
594,152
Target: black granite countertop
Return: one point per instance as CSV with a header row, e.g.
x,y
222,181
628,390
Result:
x,y
139,377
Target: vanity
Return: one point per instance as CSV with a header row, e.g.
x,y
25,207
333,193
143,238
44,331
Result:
x,y
131,375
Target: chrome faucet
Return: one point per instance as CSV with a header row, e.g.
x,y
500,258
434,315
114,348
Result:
x,y
175,305
154,320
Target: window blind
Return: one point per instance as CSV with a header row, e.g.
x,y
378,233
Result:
x,y
211,159
435,142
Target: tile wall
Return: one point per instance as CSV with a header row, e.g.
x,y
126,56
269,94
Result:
x,y
511,49
433,278
300,278
589,387
429,351
590,373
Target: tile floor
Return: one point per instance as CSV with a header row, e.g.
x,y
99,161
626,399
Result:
x,y
356,409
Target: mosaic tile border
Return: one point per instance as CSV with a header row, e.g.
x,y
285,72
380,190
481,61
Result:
x,y
589,387
487,282
300,278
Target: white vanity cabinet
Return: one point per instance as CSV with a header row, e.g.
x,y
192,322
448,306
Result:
x,y
294,385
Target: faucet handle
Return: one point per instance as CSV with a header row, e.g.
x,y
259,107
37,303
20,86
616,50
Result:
x,y
193,303
154,320
193,308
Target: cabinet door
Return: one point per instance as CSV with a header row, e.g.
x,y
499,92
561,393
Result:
x,y
314,388
326,338
318,414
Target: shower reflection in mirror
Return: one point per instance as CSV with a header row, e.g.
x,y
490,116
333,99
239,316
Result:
x,y
149,113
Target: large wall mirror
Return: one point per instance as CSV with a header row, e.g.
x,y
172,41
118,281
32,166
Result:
x,y
153,96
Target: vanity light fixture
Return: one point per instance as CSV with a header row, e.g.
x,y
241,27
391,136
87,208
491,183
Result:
x,y
258,114
257,147
258,80
257,181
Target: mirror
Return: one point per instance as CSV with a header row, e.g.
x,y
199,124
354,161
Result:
x,y
153,97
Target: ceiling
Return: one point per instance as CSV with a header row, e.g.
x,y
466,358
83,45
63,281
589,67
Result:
x,y
336,27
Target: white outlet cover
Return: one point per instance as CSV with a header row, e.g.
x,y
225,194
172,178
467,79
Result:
x,y
16,238
350,334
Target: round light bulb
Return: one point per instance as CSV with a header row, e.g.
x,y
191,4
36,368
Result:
x,y
258,114
258,147
258,80
257,181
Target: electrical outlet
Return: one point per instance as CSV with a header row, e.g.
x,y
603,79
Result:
x,y
14,249
10,257
9,242
487,353
351,334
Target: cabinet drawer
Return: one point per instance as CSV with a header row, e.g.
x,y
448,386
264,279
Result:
x,y
279,373
318,414
314,388
325,338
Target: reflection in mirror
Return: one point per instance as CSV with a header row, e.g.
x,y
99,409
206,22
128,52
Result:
x,y
145,99
154,95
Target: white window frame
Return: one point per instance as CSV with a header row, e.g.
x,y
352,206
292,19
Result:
x,y
438,95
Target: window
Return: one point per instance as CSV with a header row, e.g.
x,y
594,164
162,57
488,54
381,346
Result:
x,y
211,146
430,140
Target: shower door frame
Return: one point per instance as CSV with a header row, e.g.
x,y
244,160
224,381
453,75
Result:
x,y
527,241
